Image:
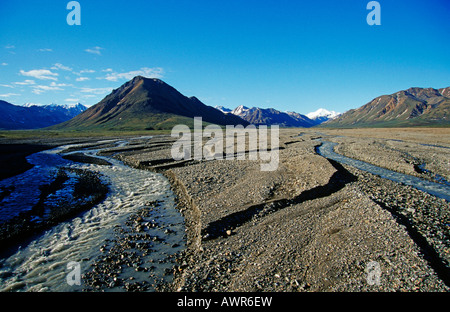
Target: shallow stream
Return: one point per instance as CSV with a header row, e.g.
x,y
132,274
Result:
x,y
326,149
42,264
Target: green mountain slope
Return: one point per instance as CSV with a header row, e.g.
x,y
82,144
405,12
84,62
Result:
x,y
146,104
407,108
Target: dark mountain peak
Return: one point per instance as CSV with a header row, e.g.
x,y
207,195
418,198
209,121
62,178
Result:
x,y
153,86
194,98
147,103
150,82
137,81
139,77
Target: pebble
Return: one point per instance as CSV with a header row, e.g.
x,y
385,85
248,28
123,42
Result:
x,y
290,238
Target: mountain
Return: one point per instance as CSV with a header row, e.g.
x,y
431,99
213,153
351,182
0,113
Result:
x,y
270,116
411,107
146,104
223,109
322,115
67,110
30,116
241,111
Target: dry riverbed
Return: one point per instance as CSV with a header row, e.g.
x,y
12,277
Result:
x,y
311,225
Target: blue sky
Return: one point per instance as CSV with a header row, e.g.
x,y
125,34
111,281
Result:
x,y
289,55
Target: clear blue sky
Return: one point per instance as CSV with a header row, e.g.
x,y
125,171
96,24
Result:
x,y
289,55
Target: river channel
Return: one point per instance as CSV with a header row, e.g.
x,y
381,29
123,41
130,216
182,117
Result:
x,y
42,264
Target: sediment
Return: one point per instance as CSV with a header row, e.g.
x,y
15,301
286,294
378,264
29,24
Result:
x,y
311,225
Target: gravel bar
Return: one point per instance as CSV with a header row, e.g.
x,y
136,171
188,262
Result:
x,y
311,225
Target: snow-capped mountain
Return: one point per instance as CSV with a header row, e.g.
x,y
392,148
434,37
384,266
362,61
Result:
x,y
74,108
70,110
241,111
269,116
223,109
33,116
321,115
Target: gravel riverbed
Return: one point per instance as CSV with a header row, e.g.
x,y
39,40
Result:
x,y
311,225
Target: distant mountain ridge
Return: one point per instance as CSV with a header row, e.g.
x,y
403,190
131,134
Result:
x,y
147,104
406,108
269,116
32,116
223,109
322,115
69,110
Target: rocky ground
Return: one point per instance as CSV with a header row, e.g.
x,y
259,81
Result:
x,y
405,157
311,225
137,257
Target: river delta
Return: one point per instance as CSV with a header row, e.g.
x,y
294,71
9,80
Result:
x,y
314,224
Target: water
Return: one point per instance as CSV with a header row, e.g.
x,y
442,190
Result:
x,y
437,177
42,264
25,187
436,189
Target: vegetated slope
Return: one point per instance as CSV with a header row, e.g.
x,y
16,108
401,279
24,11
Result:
x,y
146,104
411,107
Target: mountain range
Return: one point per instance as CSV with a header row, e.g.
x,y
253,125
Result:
x,y
407,108
322,115
271,116
31,116
146,104
149,103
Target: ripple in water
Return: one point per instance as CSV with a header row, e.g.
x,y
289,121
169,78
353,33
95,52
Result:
x,y
42,264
